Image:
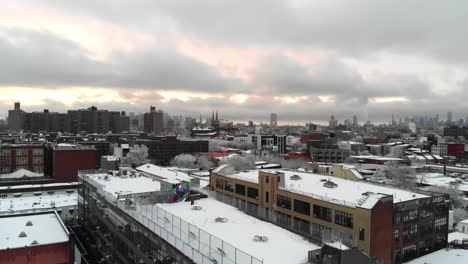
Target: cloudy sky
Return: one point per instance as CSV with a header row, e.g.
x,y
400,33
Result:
x,y
303,59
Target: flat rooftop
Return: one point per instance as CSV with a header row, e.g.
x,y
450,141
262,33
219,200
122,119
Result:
x,y
310,184
44,229
46,185
43,202
118,185
452,256
240,229
170,174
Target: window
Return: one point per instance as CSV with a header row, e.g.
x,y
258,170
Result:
x,y
17,195
38,160
3,195
396,235
4,160
283,202
344,219
5,152
267,197
38,168
219,184
267,179
51,192
440,224
301,207
21,152
21,161
362,233
301,226
252,193
410,215
229,186
37,152
317,230
37,193
323,213
283,219
410,232
240,189
408,252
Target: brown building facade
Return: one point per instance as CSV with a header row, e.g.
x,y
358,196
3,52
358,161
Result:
x,y
370,227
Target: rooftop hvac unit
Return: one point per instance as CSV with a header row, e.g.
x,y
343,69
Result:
x,y
330,184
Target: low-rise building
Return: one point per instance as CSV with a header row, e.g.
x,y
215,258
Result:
x,y
391,224
34,238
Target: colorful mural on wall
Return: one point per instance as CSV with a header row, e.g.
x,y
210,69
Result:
x,y
180,192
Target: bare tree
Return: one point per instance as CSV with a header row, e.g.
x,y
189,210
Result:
x,y
136,156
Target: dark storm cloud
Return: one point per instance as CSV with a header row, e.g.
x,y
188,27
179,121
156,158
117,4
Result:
x,y
42,59
425,27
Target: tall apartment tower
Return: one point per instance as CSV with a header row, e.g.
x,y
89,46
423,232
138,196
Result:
x,y
273,119
154,121
449,118
16,117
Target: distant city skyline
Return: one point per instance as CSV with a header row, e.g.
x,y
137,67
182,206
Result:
x,y
246,59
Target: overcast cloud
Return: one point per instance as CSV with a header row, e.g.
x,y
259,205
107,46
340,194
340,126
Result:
x,y
304,60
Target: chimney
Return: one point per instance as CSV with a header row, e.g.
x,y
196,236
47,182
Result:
x,y
17,106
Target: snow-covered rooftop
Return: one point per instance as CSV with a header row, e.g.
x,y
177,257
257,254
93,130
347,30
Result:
x,y
310,184
44,229
117,185
457,236
169,174
373,157
439,179
33,203
240,229
21,173
26,186
452,256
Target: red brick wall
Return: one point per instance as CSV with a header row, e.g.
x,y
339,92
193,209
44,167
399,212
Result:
x,y
48,254
381,238
67,163
313,136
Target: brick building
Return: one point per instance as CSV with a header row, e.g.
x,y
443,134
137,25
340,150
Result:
x,y
68,159
21,156
393,225
35,238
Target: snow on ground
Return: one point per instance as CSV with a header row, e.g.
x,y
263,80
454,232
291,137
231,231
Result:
x,y
452,256
45,229
282,246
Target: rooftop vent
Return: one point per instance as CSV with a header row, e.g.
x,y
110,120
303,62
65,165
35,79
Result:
x,y
34,242
330,184
197,207
367,193
260,238
323,180
221,219
22,234
295,177
29,223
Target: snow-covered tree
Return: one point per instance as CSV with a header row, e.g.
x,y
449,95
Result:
x,y
191,161
240,162
401,175
137,155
